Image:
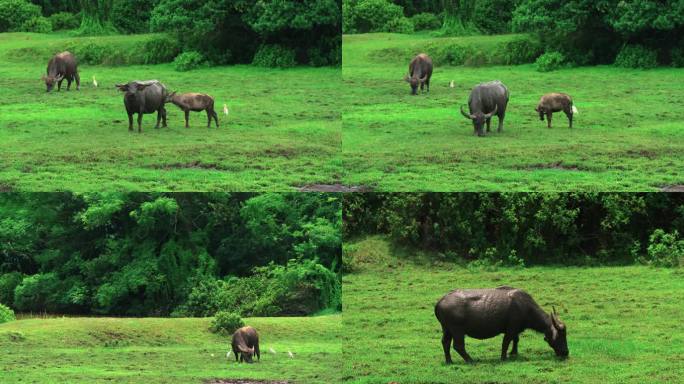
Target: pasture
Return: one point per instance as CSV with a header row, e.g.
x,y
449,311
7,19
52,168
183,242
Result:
x,y
628,135
155,350
282,132
623,322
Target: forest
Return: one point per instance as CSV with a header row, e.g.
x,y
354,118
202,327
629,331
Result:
x,y
170,254
276,33
519,229
638,34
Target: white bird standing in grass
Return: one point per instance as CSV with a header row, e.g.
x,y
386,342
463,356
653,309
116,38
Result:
x,y
94,82
290,354
574,110
225,109
228,355
451,84
272,351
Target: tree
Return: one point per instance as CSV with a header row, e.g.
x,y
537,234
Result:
x,y
97,17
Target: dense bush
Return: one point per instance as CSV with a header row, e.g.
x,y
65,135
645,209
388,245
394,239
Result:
x,y
161,49
664,249
578,228
226,323
188,61
425,21
399,25
132,16
372,16
6,314
8,282
550,61
64,20
51,7
15,13
493,16
274,56
521,51
37,24
636,56
38,293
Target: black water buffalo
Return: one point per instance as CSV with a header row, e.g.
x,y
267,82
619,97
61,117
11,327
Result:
x,y
555,102
195,102
485,101
245,344
62,66
420,72
486,313
143,97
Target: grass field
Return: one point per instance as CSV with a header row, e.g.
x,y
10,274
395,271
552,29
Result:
x,y
628,136
153,350
283,131
623,323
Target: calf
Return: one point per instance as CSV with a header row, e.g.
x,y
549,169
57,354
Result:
x,y
195,102
555,102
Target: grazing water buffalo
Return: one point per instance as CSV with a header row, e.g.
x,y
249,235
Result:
x,y
62,66
485,313
143,97
245,343
420,72
485,101
195,102
555,102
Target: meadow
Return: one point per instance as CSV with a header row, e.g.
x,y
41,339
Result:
x,y
622,321
283,130
628,135
157,350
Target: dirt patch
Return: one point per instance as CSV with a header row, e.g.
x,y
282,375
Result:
x,y
642,153
553,165
334,188
242,381
189,165
673,188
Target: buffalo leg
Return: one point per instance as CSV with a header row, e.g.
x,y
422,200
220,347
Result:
x,y
459,346
163,112
140,116
548,118
209,116
59,85
69,80
78,81
501,119
514,351
568,113
446,344
187,118
256,351
215,117
159,116
489,122
130,122
427,83
504,345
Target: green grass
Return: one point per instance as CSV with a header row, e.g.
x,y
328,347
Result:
x,y
153,350
283,131
628,136
623,323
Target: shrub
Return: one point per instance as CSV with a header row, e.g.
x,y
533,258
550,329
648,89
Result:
x,y
521,51
8,283
425,21
132,16
6,314
636,56
274,56
93,53
664,249
204,299
37,24
14,13
37,293
161,49
374,15
188,61
550,61
226,323
64,20
399,25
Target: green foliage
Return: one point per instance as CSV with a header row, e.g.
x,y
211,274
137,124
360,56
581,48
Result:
x,y
399,25
15,13
188,61
37,24
636,56
6,314
425,21
132,16
8,283
677,56
494,16
161,49
523,50
38,293
371,16
63,20
274,56
550,61
226,323
96,18
664,249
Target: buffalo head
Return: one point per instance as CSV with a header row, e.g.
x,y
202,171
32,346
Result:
x,y
50,81
556,336
479,119
415,82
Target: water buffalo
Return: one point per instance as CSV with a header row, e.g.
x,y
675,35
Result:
x,y
555,102
62,66
195,102
143,97
420,72
485,101
486,313
245,343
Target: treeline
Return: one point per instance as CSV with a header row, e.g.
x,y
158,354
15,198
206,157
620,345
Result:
x,y
179,254
640,34
527,228
266,33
